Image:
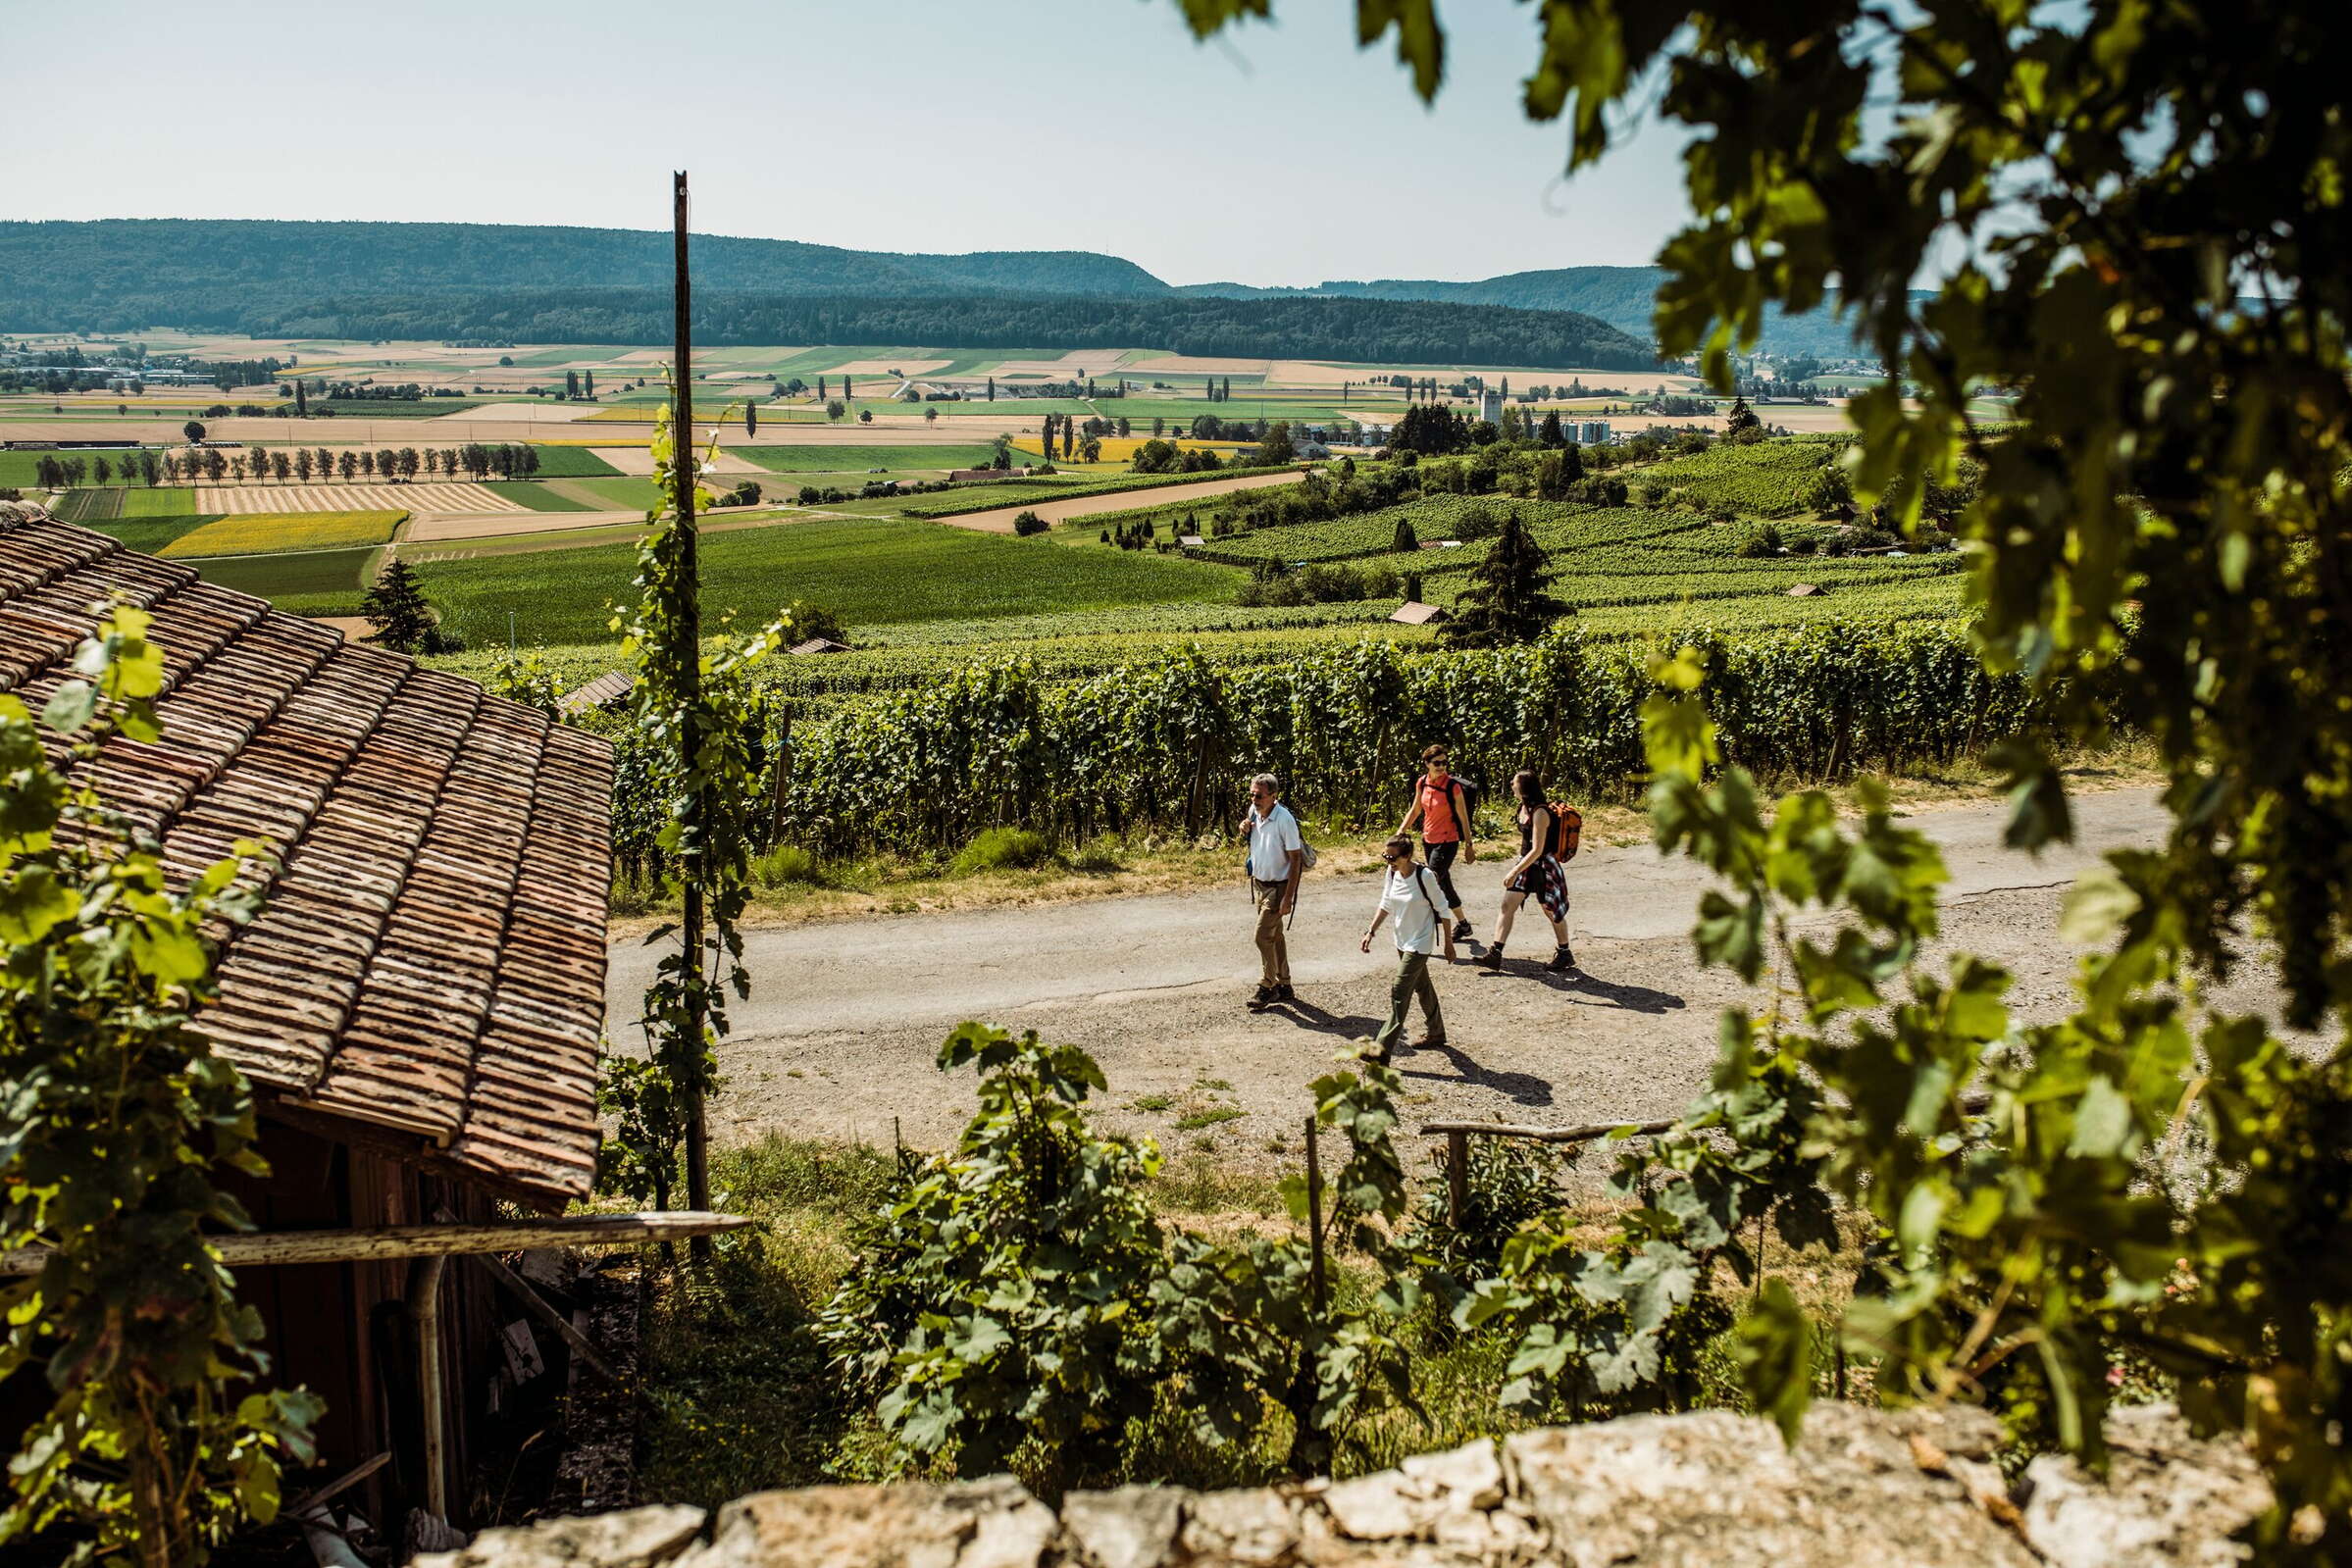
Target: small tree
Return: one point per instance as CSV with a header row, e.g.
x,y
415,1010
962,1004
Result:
x,y
751,418
834,410
1506,602
396,608
194,431
1028,523
1741,417
1406,538
802,621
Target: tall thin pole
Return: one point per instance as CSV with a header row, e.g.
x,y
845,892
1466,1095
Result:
x,y
689,667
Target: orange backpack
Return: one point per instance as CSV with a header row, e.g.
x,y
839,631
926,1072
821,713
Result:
x,y
1568,830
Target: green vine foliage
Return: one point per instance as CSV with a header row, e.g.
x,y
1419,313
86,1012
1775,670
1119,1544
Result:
x,y
1252,1325
1015,1300
1010,743
116,1112
525,677
1002,1298
1619,1327
708,802
2030,1241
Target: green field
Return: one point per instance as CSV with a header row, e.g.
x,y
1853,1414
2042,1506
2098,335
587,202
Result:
x,y
537,497
873,573
1766,480
165,500
320,582
570,462
857,458
634,492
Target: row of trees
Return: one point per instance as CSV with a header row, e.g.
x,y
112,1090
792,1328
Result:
x,y
301,464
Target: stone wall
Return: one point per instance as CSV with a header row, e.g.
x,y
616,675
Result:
x,y
1870,1487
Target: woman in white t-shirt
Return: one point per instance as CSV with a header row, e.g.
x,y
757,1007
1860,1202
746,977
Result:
x,y
1408,893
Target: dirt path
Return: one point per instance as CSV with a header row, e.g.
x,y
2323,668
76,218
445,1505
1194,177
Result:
x,y
1000,519
839,1036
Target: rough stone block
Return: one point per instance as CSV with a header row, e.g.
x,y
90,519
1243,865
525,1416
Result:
x,y
980,1524
637,1537
2170,1499
1134,1527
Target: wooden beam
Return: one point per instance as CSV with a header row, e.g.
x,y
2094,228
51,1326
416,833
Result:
x,y
262,1248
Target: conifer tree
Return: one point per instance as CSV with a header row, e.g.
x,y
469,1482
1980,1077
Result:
x,y
1550,432
1506,602
395,607
1741,417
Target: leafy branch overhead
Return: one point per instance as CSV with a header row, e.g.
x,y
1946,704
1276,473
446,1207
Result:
x,y
2135,216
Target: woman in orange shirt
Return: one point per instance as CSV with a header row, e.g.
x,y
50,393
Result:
x,y
1443,809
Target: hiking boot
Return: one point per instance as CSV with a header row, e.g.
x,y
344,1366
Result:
x,y
1265,994
1492,963
1284,993
1428,1044
1563,958
1461,931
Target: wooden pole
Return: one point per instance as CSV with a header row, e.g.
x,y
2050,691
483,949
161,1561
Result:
x,y
1314,1217
1457,1177
391,1243
687,666
424,1315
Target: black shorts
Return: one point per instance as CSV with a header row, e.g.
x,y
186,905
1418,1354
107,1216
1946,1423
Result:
x,y
1547,883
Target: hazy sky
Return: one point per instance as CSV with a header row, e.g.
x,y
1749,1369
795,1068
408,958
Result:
x,y
1279,156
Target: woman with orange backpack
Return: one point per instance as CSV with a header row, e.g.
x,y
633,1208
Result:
x,y
1548,836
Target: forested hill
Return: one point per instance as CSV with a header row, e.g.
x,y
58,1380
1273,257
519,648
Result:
x,y
148,267
544,284
1623,296
1365,330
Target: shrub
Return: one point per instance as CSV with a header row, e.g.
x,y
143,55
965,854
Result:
x,y
1002,849
785,865
1758,540
1002,1294
1026,523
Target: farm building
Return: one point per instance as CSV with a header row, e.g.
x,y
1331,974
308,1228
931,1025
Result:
x,y
818,646
418,1006
608,689
1413,612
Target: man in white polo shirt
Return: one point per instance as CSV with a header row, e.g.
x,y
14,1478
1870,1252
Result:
x,y
1277,855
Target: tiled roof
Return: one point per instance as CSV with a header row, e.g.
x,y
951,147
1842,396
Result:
x,y
427,967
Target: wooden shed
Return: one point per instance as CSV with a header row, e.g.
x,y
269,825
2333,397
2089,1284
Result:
x,y
608,688
418,1004
1413,612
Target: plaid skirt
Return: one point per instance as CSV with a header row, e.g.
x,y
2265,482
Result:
x,y
1547,883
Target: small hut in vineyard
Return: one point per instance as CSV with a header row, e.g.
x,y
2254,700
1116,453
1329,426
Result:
x,y
418,1004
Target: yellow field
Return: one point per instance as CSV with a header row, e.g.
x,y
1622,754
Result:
x,y
1122,448
265,532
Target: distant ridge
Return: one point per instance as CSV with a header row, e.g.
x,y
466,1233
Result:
x,y
1623,296
523,284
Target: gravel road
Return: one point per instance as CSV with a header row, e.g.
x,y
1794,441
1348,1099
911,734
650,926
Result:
x,y
839,1036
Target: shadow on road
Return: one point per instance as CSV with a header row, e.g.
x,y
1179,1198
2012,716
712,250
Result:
x,y
1521,1088
1307,1015
1589,989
